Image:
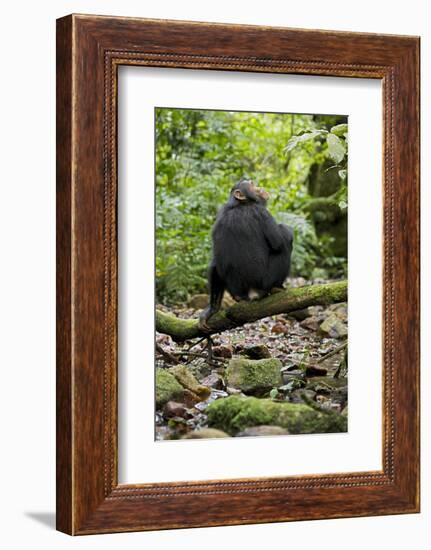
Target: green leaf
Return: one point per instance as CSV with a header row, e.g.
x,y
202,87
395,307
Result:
x,y
273,393
342,205
294,141
287,387
342,174
336,148
339,129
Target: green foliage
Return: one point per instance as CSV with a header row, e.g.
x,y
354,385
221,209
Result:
x,y
336,148
294,141
340,130
201,154
311,255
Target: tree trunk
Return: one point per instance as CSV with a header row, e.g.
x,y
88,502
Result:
x,y
245,312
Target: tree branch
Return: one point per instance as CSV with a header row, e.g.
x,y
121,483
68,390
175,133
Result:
x,y
247,312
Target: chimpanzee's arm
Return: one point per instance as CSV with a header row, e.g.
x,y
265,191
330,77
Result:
x,y
216,287
272,232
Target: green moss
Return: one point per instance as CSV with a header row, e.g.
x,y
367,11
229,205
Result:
x,y
167,387
289,300
233,414
253,376
180,329
245,312
188,381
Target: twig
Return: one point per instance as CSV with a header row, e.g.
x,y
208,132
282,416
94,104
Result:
x,y
167,355
189,353
196,354
341,366
210,350
332,353
302,363
196,343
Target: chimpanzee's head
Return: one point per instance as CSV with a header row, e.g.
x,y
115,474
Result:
x,y
245,192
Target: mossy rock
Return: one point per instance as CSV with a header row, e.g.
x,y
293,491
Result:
x,y
333,327
255,377
183,375
206,433
235,413
167,388
262,431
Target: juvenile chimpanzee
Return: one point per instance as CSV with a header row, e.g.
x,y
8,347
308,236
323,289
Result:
x,y
251,252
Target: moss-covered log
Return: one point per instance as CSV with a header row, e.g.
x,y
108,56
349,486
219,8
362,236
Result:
x,y
288,300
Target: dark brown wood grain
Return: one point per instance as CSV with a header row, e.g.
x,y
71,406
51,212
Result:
x,y
89,51
64,287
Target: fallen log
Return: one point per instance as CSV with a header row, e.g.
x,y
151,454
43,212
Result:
x,y
240,313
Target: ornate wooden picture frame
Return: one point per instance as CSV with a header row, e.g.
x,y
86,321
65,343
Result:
x,y
89,51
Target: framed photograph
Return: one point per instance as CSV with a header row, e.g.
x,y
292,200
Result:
x,y
237,274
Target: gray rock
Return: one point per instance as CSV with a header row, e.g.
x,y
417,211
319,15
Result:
x,y
294,379
223,351
302,395
311,311
257,431
311,323
200,368
206,433
333,327
213,380
173,408
233,391
300,314
315,370
280,328
254,377
293,371
340,310
257,351
328,385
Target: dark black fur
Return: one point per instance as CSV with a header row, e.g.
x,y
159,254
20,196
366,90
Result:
x,y
251,252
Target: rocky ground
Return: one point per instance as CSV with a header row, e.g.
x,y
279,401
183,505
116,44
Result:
x,y
279,375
